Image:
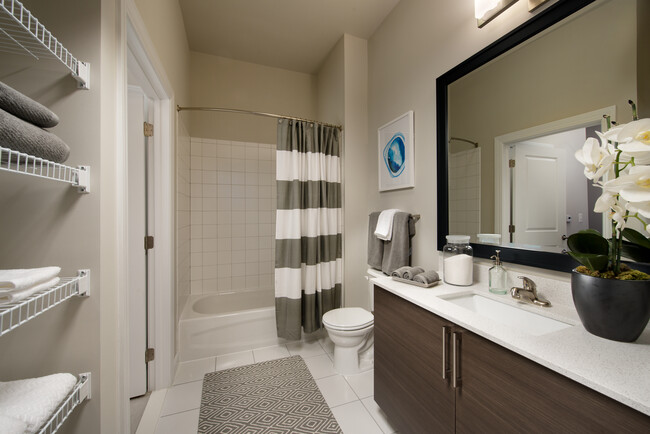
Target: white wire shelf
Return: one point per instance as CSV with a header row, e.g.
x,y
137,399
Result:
x,y
18,162
22,33
80,393
13,315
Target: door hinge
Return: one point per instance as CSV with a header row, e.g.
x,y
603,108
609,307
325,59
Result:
x,y
149,355
511,163
148,242
148,129
511,229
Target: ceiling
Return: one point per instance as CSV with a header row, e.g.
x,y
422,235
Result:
x,y
290,34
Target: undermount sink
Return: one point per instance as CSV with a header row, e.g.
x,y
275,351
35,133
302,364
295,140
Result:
x,y
505,314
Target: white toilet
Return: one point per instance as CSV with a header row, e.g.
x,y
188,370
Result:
x,y
351,331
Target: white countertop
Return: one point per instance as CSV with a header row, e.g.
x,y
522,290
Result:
x,y
615,369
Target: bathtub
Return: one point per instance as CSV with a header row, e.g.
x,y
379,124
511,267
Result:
x,y
217,324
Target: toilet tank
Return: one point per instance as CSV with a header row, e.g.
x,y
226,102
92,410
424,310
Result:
x,y
371,274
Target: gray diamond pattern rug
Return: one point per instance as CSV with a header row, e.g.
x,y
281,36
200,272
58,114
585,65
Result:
x,y
274,397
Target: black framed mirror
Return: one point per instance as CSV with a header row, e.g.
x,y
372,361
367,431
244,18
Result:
x,y
537,24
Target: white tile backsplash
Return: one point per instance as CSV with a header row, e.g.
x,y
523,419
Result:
x,y
232,215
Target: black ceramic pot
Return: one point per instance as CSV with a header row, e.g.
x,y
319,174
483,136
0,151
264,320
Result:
x,y
618,310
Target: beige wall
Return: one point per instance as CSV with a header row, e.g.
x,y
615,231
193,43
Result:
x,y
419,41
48,223
643,65
342,99
355,169
547,80
221,82
164,22
557,76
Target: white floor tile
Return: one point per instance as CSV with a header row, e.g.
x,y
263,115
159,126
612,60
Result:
x,y
270,353
182,398
305,349
194,370
327,345
353,418
362,384
234,360
320,366
378,415
186,422
336,390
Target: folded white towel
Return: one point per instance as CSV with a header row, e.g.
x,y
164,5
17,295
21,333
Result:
x,y
384,230
11,295
10,425
26,278
34,400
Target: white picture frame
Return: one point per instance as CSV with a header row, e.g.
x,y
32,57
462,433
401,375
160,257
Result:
x,y
396,154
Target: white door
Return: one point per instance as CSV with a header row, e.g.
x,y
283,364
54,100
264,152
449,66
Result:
x,y
539,195
138,108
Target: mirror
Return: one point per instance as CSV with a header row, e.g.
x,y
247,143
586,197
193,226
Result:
x,y
529,100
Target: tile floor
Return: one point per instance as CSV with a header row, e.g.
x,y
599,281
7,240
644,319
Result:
x,y
350,397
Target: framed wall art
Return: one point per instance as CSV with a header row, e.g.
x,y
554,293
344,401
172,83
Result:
x,y
396,163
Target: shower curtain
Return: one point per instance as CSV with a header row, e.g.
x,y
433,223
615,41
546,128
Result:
x,y
308,240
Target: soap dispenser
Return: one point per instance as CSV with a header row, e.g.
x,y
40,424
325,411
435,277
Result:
x,y
498,276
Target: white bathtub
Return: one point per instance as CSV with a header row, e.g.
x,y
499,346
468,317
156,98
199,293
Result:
x,y
217,324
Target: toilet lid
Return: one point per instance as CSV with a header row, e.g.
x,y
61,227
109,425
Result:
x,y
348,318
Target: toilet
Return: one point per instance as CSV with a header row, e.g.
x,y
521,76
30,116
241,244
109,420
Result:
x,y
351,331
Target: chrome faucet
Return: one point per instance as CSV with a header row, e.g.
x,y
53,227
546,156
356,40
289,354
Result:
x,y
528,294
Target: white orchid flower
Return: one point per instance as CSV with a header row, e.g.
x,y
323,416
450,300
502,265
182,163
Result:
x,y
642,208
596,159
634,137
634,186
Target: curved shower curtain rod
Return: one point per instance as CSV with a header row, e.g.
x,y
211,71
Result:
x,y
464,140
248,112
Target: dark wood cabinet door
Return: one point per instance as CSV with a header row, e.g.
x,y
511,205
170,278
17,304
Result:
x,y
504,392
408,367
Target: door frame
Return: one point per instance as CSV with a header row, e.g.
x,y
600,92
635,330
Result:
x,y
161,314
502,142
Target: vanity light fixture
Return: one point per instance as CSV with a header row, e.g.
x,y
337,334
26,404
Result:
x,y
487,10
534,4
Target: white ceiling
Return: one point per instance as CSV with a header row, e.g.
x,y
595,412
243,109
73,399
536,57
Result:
x,y
289,34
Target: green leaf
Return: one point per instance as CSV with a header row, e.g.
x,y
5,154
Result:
x,y
588,242
636,237
636,252
592,261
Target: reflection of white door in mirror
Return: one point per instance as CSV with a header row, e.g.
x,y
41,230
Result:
x,y
539,194
560,134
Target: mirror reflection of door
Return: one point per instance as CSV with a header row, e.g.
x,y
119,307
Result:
x,y
550,195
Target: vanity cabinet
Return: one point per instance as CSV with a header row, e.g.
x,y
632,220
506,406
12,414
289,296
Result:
x,y
496,390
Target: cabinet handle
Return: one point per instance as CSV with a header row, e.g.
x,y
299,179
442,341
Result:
x,y
455,354
445,354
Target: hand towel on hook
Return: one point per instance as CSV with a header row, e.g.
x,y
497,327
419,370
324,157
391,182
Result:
x,y
384,230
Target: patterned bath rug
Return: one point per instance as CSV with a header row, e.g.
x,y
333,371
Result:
x,y
274,397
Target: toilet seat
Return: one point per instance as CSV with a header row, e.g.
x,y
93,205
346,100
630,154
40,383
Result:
x,y
348,319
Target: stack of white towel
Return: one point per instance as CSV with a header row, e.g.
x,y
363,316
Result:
x,y
25,405
16,285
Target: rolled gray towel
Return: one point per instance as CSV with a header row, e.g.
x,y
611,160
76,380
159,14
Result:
x,y
412,272
407,272
400,272
24,137
427,277
25,108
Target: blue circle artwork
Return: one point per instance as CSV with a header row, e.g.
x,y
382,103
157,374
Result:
x,y
395,155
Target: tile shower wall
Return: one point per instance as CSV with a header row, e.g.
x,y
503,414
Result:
x,y
183,223
465,193
233,203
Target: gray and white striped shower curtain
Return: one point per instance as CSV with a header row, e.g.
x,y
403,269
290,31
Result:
x,y
308,240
